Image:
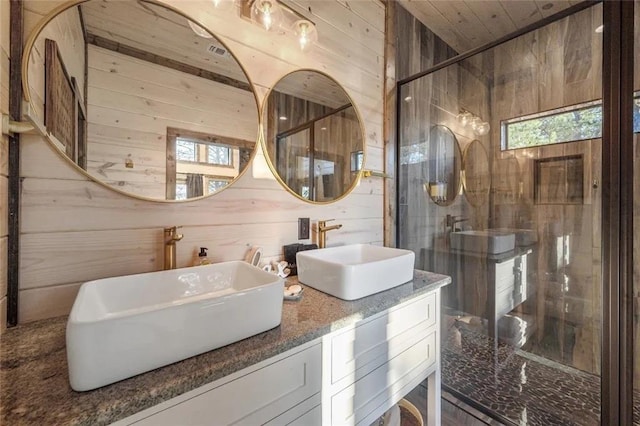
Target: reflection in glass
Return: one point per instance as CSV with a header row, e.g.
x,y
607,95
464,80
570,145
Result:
x,y
155,102
476,174
313,136
443,166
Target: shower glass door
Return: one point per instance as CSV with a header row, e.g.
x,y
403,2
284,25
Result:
x,y
636,216
521,235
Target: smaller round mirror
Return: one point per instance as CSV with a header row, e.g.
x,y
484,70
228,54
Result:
x,y
444,164
313,136
476,174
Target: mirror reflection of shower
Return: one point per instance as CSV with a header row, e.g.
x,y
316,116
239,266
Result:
x,y
443,166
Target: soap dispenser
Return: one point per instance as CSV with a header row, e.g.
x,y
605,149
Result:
x,y
202,257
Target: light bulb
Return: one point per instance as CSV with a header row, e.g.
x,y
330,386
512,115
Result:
x,y
223,4
482,128
475,122
266,13
199,30
306,33
464,117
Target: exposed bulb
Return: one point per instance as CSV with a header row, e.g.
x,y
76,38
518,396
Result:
x,y
199,30
306,33
223,4
304,39
465,117
266,13
482,128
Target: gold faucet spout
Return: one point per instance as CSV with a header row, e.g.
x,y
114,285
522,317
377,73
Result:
x,y
171,236
322,231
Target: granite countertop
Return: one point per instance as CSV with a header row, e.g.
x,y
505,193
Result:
x,y
34,383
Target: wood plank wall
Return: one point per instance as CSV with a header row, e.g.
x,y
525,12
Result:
x,y
4,153
74,230
128,120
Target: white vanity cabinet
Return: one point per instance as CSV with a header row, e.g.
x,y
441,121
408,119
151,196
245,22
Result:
x,y
350,376
370,366
277,391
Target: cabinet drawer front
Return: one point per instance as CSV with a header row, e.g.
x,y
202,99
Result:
x,y
247,400
505,278
368,345
504,302
369,394
307,413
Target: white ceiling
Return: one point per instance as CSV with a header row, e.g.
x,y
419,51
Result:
x,y
467,24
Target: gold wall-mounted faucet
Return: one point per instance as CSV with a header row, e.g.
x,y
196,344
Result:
x,y
171,237
322,231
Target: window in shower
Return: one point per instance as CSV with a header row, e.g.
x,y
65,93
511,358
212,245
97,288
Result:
x,y
567,124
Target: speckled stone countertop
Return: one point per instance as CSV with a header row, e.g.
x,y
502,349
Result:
x,y
34,384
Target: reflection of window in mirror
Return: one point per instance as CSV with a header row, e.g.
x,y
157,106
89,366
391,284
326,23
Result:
x,y
200,164
210,184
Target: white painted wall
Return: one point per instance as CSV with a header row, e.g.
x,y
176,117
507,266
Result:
x,y
74,230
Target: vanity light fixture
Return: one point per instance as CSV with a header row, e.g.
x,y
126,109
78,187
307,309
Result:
x,y
273,15
476,123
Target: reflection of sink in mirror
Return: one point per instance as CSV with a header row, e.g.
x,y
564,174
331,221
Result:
x,y
524,237
123,326
488,241
354,271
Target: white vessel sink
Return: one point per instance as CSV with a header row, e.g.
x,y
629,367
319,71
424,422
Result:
x,y
524,237
354,271
123,326
488,241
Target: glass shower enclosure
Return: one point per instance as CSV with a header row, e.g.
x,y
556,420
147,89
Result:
x,y
499,167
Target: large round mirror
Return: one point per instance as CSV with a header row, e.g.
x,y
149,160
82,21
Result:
x,y
476,173
313,135
444,164
141,98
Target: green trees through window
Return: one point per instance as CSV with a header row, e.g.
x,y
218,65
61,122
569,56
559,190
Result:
x,y
566,124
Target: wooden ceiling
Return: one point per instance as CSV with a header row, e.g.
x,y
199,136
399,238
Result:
x,y
467,24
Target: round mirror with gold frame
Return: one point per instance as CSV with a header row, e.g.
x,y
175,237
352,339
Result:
x,y
314,137
443,180
476,173
141,98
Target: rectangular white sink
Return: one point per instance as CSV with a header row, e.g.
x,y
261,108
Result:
x,y
123,326
354,271
488,241
524,237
